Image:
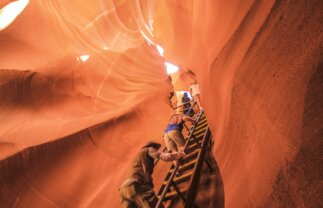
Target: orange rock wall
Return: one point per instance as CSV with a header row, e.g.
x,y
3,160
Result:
x,y
68,128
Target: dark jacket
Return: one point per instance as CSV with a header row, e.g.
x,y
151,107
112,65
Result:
x,y
142,166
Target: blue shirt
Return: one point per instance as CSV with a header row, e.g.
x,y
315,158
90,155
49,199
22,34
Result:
x,y
175,123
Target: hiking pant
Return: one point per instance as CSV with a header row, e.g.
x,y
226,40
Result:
x,y
136,195
173,139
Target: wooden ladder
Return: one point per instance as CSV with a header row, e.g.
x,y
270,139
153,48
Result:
x,y
184,185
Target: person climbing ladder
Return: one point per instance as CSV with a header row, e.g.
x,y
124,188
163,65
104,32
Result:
x,y
173,137
137,191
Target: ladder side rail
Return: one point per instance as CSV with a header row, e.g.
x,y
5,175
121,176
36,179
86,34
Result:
x,y
169,183
193,184
178,191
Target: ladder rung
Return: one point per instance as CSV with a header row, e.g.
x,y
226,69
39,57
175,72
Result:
x,y
201,126
200,123
202,119
199,131
200,134
185,166
198,138
181,178
173,194
191,155
193,146
185,160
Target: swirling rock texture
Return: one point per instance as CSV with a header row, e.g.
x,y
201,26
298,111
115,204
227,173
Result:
x,y
69,128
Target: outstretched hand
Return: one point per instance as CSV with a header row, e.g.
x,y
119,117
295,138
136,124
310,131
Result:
x,y
180,154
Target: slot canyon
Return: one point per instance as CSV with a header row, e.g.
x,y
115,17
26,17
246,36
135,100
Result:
x,y
83,88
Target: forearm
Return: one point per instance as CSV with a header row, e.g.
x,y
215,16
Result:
x,y
187,118
167,157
